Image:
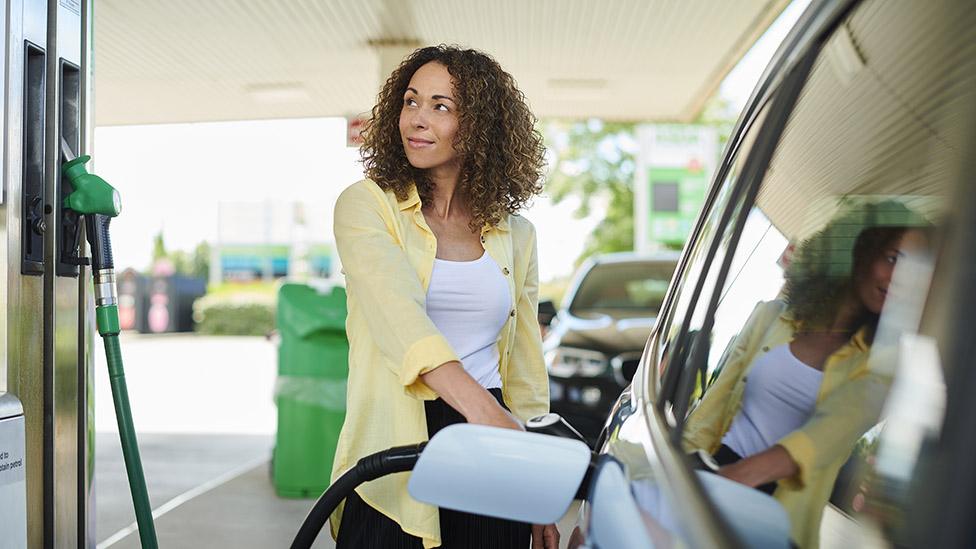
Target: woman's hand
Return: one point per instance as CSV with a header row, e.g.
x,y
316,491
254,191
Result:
x,y
576,539
456,387
545,536
766,466
496,416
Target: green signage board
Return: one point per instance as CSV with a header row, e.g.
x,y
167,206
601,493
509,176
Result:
x,y
675,195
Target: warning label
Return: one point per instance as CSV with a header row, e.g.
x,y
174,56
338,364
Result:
x,y
7,464
12,451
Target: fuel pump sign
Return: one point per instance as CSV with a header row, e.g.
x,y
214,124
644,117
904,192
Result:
x,y
13,477
674,166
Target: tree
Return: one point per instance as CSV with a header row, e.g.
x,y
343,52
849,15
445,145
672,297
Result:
x,y
196,264
594,160
200,262
721,114
159,247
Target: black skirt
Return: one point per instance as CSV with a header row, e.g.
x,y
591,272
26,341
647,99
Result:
x,y
363,527
726,456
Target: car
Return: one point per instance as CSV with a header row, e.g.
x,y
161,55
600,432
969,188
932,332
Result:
x,y
867,102
593,344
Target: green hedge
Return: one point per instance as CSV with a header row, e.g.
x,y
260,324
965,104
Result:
x,y
234,314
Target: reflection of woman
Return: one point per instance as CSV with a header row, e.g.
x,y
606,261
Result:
x,y
809,395
442,288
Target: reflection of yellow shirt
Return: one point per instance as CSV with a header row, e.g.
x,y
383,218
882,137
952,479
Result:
x,y
387,252
848,404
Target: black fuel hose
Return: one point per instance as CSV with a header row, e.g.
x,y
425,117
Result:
x,y
371,467
403,458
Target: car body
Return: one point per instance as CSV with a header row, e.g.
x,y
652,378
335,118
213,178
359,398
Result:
x,y
864,101
595,341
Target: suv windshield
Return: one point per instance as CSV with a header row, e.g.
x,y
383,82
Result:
x,y
632,286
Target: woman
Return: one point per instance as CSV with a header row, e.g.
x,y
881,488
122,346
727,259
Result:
x,y
810,394
442,288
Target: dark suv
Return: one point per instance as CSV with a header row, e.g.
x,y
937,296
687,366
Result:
x,y
595,342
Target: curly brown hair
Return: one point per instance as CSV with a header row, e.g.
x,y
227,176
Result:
x,y
824,271
501,154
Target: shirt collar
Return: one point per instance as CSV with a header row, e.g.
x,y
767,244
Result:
x,y
413,202
858,341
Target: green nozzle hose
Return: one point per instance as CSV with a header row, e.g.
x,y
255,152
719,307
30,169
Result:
x,y
108,318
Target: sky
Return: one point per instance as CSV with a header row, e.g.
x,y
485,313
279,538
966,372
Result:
x,y
171,177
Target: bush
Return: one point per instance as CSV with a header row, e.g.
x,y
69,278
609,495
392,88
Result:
x,y
234,314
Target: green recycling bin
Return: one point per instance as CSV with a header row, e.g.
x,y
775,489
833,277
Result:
x,y
310,391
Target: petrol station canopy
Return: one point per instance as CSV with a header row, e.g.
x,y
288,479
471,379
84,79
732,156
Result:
x,y
192,61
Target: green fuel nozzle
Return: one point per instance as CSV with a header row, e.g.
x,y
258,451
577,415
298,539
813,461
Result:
x,y
98,201
92,194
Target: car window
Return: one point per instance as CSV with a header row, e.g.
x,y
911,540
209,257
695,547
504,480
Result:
x,y
631,286
814,364
670,323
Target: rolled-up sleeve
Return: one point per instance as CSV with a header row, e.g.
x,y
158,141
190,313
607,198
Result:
x,y
527,376
387,288
837,423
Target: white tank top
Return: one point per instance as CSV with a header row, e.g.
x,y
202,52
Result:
x,y
469,302
780,396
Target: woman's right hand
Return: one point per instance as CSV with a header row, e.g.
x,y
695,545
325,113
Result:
x,y
496,416
456,387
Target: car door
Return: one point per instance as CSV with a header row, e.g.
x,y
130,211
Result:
x,y
876,121
880,136
642,493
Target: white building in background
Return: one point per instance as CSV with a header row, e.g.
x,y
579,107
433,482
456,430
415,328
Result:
x,y
272,239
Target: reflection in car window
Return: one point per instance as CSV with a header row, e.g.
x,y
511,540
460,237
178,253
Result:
x,y
670,324
624,286
795,391
750,280
873,138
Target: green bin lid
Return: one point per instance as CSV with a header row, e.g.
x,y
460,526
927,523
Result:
x,y
304,310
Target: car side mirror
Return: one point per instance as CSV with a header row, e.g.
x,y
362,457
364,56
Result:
x,y
516,475
547,312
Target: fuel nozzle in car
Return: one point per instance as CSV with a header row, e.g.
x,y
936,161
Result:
x,y
99,202
553,424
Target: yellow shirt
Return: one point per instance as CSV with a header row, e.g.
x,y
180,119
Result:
x,y
387,253
848,404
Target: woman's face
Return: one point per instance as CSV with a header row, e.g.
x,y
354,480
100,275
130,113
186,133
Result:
x,y
428,119
872,285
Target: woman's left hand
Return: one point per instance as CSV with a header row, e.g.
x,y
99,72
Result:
x,y
767,466
545,536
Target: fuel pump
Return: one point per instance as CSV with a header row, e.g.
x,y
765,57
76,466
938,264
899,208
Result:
x,y
99,202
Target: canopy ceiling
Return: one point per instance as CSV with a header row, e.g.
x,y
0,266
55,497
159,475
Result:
x,y
193,61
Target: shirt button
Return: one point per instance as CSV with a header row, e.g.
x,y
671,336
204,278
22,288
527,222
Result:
x,y
505,270
512,314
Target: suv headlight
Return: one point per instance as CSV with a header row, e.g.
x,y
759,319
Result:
x,y
569,361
